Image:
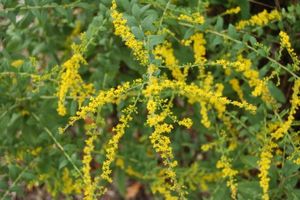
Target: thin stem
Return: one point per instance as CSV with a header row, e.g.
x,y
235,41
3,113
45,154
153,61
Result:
x,y
163,15
59,145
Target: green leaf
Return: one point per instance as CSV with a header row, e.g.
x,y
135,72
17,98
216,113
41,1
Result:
x,y
121,181
219,24
13,171
245,8
147,23
232,31
276,93
138,33
136,11
154,40
249,190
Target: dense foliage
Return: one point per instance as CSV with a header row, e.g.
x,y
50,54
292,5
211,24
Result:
x,y
149,99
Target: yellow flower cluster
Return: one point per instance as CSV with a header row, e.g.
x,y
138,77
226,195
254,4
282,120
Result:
x,y
70,80
162,187
198,46
208,146
70,186
207,87
231,11
243,65
17,63
194,94
89,187
285,43
195,18
114,95
236,87
225,164
122,30
187,122
295,103
114,141
165,52
261,19
161,142
264,166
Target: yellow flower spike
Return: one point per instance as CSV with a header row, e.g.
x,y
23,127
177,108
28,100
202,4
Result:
x,y
194,94
236,87
70,186
225,164
261,19
161,144
114,95
285,43
70,80
243,66
231,11
195,18
295,103
199,50
87,158
165,53
264,166
204,116
187,122
112,146
122,30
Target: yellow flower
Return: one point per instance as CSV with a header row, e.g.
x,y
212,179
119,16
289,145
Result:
x,y
243,65
162,187
295,103
231,11
70,80
236,87
264,166
195,18
198,46
297,161
113,95
194,94
87,158
285,43
122,30
165,52
225,164
162,144
261,19
187,122
114,141
70,186
207,147
17,63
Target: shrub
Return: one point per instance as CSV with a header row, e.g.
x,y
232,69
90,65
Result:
x,y
149,99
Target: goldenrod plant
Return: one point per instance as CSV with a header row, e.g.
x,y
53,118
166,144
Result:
x,y
149,99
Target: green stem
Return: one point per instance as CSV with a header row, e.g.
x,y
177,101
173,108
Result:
x,y
59,145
